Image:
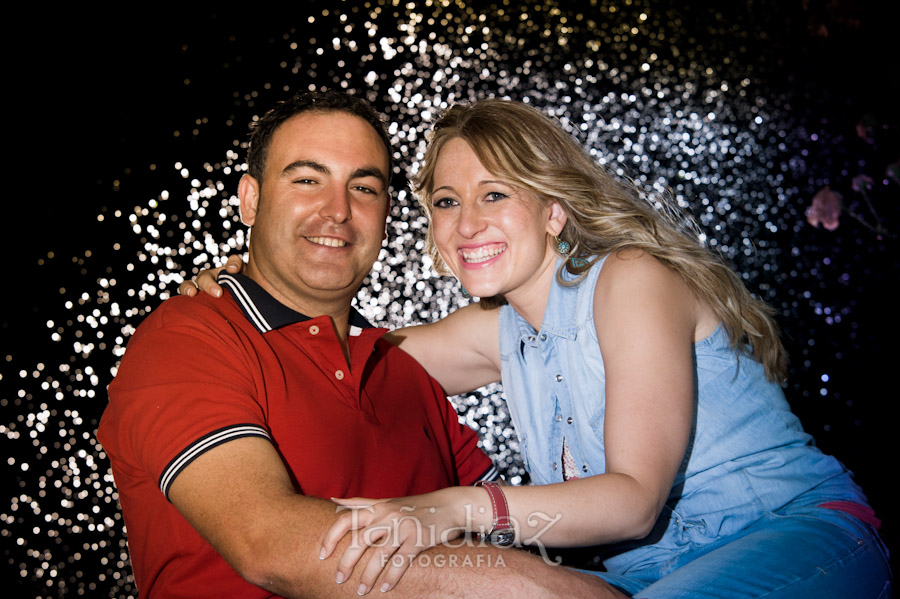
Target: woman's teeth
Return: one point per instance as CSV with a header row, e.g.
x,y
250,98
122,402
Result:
x,y
482,254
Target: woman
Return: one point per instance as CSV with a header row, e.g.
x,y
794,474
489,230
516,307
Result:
x,y
642,378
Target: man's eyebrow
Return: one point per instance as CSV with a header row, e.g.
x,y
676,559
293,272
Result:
x,y
370,171
320,168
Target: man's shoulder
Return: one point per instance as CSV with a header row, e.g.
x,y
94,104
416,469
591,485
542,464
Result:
x,y
189,318
194,311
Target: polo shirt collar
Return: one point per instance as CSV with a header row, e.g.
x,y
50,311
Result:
x,y
265,312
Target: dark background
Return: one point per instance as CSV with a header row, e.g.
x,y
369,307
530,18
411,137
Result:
x,y
95,99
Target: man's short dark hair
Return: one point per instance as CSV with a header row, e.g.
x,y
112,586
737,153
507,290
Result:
x,y
262,131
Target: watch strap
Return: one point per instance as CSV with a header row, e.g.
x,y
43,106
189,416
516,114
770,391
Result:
x,y
501,529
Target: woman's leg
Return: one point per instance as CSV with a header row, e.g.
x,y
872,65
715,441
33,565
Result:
x,y
815,553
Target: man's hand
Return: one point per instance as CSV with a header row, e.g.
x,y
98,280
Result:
x,y
206,280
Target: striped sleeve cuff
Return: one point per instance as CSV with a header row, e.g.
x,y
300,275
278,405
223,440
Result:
x,y
490,474
204,444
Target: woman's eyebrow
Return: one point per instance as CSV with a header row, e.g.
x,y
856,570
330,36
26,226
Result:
x,y
480,183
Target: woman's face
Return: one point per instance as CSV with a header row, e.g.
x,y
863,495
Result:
x,y
494,237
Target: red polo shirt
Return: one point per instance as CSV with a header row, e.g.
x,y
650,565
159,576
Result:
x,y
201,372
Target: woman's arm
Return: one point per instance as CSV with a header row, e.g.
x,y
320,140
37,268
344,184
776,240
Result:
x,y
461,351
646,320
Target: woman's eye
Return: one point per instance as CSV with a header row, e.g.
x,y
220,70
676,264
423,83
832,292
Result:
x,y
443,203
495,196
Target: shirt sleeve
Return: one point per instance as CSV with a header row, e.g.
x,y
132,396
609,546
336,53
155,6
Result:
x,y
184,387
472,464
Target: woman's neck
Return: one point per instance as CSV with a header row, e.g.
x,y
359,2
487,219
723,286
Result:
x,y
530,299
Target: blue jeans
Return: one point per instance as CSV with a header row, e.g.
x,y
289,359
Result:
x,y
804,552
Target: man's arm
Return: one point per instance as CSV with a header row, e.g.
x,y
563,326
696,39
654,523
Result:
x,y
240,498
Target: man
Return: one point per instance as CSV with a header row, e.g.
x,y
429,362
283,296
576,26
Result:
x,y
229,421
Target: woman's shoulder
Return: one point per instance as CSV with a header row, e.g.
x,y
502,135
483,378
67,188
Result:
x,y
636,282
635,266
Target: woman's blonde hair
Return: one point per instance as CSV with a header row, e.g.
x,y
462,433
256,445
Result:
x,y
530,151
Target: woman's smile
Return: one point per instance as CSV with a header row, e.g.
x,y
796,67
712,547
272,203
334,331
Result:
x,y
473,257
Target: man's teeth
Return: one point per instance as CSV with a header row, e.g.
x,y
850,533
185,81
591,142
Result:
x,y
329,241
483,253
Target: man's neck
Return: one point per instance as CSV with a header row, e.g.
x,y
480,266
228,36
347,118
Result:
x,y
337,309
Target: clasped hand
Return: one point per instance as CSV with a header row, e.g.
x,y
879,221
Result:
x,y
392,532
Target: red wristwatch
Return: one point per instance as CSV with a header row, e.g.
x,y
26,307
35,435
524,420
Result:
x,y
502,532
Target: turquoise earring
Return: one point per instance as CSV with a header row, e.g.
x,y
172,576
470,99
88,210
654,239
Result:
x,y
465,293
578,262
562,247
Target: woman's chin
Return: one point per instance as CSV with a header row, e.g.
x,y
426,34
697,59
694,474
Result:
x,y
478,289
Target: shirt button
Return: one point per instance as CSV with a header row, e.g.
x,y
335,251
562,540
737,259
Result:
x,y
531,337
314,330
554,465
544,337
339,375
569,420
584,468
559,417
558,378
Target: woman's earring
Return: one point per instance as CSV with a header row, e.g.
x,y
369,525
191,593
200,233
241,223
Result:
x,y
562,247
578,262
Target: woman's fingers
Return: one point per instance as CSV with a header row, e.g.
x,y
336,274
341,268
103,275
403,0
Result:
x,y
393,561
400,563
234,264
356,502
401,540
351,519
206,281
375,539
188,288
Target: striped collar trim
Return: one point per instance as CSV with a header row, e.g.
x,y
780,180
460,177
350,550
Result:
x,y
266,313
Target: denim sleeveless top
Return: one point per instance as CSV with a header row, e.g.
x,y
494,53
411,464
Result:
x,y
747,455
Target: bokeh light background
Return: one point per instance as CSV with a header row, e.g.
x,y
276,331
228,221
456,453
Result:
x,y
128,141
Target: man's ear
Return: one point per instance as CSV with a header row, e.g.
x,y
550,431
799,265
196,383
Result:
x,y
248,193
556,219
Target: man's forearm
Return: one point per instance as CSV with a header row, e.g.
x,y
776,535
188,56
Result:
x,y
240,498
461,570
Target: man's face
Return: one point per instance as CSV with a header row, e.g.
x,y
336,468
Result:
x,y
318,218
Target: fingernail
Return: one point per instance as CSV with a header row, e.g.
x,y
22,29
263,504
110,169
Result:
x,y
339,578
385,587
362,590
322,553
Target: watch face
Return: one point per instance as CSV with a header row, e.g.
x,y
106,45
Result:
x,y
502,538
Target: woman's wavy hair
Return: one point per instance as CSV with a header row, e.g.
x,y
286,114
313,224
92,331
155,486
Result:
x,y
529,150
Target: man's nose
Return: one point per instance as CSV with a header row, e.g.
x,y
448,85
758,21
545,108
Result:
x,y
336,205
